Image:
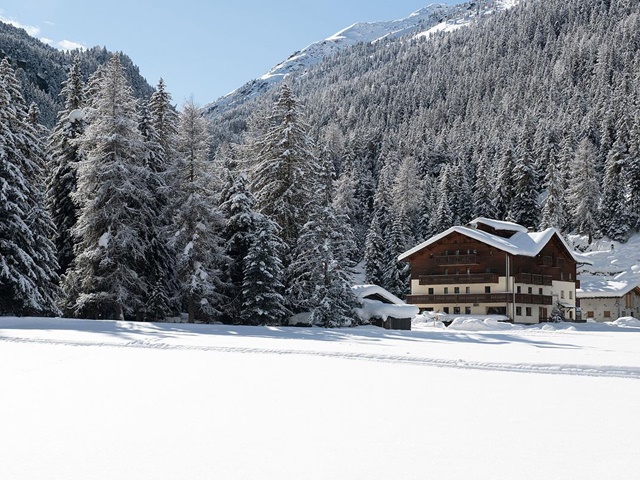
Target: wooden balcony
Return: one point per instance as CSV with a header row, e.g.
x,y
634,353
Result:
x,y
466,259
477,298
458,279
534,279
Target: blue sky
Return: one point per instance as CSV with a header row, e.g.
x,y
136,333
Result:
x,y
200,48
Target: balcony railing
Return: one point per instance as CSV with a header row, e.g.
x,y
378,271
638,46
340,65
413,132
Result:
x,y
472,298
466,259
457,279
534,279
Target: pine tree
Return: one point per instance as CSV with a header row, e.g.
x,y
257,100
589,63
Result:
x,y
407,198
321,271
523,209
377,253
483,192
263,302
396,275
240,228
160,272
505,182
66,155
107,278
442,217
583,195
612,210
197,221
28,261
553,212
282,177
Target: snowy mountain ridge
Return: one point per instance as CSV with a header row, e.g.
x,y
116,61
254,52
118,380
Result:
x,y
426,21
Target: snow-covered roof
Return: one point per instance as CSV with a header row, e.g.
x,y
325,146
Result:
x,y
363,291
596,288
524,243
371,308
499,225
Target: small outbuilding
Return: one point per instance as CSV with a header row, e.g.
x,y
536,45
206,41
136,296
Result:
x,y
383,309
607,300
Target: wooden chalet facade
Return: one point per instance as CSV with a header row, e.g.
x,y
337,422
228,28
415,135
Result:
x,y
495,267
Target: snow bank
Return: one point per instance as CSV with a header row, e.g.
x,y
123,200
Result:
x,y
480,325
627,322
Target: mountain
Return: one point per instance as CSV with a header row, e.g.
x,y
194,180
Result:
x,y
42,69
428,20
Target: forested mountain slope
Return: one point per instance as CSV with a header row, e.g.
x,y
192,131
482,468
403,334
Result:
x,y
42,69
434,17
539,101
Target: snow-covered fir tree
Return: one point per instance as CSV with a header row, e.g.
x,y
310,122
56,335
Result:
x,y
263,302
376,253
197,221
158,129
553,209
282,174
523,209
321,271
613,214
483,192
442,217
240,228
66,154
107,278
504,185
28,263
583,195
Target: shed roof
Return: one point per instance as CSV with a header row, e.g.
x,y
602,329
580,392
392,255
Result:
x,y
602,288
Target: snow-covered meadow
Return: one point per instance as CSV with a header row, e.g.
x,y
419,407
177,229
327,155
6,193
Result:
x,y
482,400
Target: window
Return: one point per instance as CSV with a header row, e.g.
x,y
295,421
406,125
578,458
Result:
x,y
570,294
430,291
456,310
446,290
540,291
456,290
527,311
518,289
445,309
518,310
467,310
590,314
607,314
487,289
530,290
561,293
467,289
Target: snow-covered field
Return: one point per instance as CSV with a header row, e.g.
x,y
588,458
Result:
x,y
117,400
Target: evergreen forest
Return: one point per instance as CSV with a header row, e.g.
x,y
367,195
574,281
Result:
x,y
117,205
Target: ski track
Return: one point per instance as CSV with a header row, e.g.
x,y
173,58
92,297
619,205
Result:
x,y
549,369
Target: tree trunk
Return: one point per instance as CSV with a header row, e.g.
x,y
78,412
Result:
x,y
192,310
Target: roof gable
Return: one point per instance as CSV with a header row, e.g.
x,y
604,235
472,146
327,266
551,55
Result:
x,y
524,243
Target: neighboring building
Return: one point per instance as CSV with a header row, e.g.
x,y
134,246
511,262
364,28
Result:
x,y
495,267
382,308
608,300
